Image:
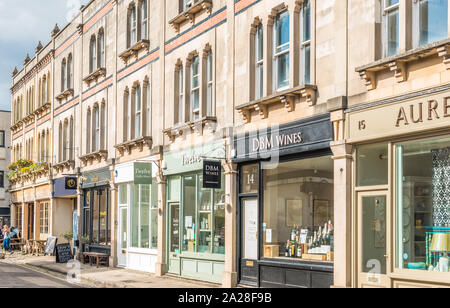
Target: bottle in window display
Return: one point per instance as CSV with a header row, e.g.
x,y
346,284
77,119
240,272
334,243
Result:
x,y
287,250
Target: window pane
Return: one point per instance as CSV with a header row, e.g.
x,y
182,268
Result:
x,y
189,220
307,64
389,3
282,32
195,100
145,216
392,32
373,233
283,70
433,20
95,217
372,165
306,21
205,218
260,81
250,179
105,236
123,194
219,220
134,216
259,43
423,204
154,215
299,209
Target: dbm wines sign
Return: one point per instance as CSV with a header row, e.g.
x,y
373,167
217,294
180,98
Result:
x,y
212,174
301,136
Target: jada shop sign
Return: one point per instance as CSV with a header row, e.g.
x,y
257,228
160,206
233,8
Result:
x,y
421,113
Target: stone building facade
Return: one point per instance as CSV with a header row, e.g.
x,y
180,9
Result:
x,y
285,94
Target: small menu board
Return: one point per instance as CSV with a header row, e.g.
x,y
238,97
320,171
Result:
x,y
63,253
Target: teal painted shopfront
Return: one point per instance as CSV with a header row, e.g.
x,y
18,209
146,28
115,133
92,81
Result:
x,y
195,216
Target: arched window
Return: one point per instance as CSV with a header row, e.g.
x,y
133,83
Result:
x,y
67,148
195,88
133,26
70,72
144,20
137,112
88,131
210,110
44,90
259,62
71,139
96,128
60,143
101,48
102,126
281,50
179,99
93,55
63,75
126,97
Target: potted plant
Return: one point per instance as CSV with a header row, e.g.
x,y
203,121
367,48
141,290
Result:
x,y
85,241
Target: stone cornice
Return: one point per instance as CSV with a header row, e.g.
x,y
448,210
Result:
x,y
33,71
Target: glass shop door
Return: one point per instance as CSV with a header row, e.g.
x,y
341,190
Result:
x,y
174,251
373,239
249,242
123,237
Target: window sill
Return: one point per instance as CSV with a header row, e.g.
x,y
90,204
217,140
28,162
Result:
x,y
68,164
42,110
134,50
398,63
136,143
287,97
65,94
189,14
101,72
91,157
192,126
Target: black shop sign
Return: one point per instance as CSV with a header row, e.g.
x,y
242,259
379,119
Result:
x,y
212,174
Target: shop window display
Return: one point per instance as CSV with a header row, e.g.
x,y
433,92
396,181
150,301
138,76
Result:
x,y
423,205
204,217
299,210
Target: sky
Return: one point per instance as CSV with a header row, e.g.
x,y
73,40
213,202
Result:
x,y
23,23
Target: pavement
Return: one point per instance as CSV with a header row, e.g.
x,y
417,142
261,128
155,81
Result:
x,y
102,277
16,276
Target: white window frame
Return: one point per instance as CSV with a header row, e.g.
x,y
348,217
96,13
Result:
x,y
180,94
259,62
133,26
277,55
195,90
138,112
385,27
305,43
210,110
144,21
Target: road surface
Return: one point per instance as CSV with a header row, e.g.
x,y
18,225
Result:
x,y
14,276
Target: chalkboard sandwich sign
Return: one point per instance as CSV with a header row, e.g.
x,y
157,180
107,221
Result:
x,y
63,253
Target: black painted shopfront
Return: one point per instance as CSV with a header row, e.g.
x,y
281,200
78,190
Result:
x,y
96,232
286,209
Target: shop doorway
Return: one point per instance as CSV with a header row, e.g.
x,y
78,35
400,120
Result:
x,y
123,237
250,241
373,239
174,264
30,221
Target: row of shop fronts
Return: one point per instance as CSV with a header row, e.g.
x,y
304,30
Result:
x,y
356,197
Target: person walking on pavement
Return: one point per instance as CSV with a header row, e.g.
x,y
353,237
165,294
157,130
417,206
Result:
x,y
6,240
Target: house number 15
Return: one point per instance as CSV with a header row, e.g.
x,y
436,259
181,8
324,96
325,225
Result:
x,y
362,125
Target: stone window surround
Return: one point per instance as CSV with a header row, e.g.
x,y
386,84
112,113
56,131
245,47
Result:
x,y
297,87
129,140
187,117
99,151
133,48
